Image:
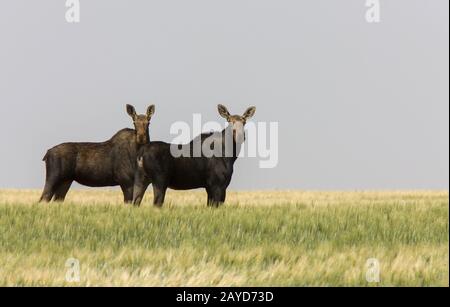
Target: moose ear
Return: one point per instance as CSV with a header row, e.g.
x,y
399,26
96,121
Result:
x,y
223,111
131,111
249,113
150,111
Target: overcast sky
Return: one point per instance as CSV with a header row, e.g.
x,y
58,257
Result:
x,y
359,105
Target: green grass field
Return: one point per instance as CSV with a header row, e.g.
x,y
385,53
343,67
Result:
x,y
279,238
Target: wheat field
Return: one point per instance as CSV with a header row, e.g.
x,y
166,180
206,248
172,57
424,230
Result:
x,y
267,238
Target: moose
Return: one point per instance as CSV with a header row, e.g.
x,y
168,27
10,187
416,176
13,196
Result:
x,y
109,163
211,169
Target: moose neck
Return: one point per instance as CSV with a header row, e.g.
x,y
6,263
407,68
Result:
x,y
236,147
147,134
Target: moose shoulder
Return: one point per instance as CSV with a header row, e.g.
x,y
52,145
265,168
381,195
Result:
x,y
109,163
212,169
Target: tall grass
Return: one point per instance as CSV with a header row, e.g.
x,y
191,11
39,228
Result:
x,y
257,238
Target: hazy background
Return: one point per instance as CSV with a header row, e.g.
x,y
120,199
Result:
x,y
359,106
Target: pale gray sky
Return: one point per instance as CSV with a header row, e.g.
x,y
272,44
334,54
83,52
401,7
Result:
x,y
359,106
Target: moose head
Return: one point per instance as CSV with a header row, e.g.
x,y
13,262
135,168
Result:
x,y
141,123
237,122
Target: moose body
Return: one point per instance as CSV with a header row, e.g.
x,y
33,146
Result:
x,y
109,163
158,165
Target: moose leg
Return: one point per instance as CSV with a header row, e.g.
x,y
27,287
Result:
x,y
223,195
61,190
159,193
49,190
141,182
216,196
127,194
138,193
52,177
52,181
210,197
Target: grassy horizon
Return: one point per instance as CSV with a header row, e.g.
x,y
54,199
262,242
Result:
x,y
260,238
